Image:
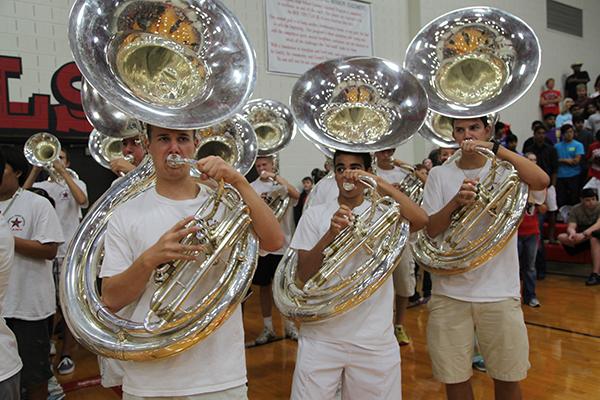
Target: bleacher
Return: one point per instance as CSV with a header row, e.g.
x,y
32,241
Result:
x,y
556,253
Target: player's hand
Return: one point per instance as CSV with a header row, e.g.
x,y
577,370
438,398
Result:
x,y
121,165
268,175
341,219
467,194
216,168
169,248
470,146
59,167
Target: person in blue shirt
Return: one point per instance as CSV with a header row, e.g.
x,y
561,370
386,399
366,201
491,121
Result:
x,y
569,152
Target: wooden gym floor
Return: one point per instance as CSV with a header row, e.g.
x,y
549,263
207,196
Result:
x,y
564,336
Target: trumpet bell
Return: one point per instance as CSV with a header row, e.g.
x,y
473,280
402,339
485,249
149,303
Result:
x,y
164,63
358,104
273,123
474,61
42,149
233,140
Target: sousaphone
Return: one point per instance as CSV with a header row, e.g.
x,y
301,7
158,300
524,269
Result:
x,y
179,64
472,62
356,104
274,126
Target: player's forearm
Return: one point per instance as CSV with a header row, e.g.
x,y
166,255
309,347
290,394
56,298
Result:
x,y
310,261
123,289
440,221
76,191
529,172
292,191
35,249
415,215
264,222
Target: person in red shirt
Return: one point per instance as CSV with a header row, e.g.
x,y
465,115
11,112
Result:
x,y
550,99
593,158
528,240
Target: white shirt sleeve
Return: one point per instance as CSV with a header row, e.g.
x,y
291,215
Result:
x,y
432,194
307,233
83,187
118,254
47,226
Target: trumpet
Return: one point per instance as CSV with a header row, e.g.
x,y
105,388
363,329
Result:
x,y
42,150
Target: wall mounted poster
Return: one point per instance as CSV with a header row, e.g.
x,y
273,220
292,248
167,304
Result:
x,y
303,33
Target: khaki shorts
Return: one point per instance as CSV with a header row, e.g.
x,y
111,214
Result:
x,y
404,274
500,330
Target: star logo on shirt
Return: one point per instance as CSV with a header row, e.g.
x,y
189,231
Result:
x,y
64,195
17,223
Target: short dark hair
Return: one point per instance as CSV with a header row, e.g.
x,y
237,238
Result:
x,y
483,119
588,192
64,150
548,80
43,193
307,178
578,118
366,157
535,124
546,116
511,137
564,128
16,159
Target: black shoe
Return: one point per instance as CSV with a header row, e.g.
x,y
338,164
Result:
x,y
593,280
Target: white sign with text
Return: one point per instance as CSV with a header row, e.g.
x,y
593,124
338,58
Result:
x,y
303,33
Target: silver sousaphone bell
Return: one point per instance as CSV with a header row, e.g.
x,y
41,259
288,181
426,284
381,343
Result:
x,y
274,126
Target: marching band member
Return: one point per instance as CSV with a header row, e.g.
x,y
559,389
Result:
x,y
268,261
70,196
357,348
11,365
30,294
404,274
483,302
132,147
143,234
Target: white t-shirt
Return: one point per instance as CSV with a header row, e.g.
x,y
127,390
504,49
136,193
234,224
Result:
x,y
67,208
325,190
495,280
394,175
214,364
11,363
367,325
30,294
287,221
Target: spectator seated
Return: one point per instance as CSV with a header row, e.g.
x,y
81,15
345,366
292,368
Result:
x,y
556,253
